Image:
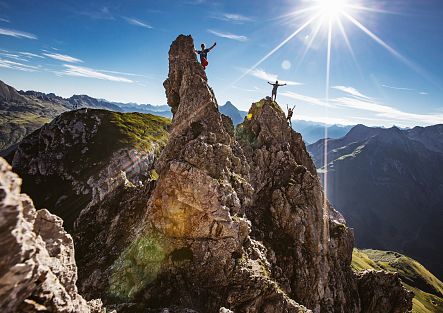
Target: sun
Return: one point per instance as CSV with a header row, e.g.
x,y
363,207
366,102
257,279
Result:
x,y
331,9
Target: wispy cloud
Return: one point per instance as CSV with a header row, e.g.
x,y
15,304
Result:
x,y
397,88
423,93
234,18
351,91
137,22
263,75
62,57
17,66
4,20
328,120
387,112
79,71
16,33
228,35
103,14
381,112
31,55
14,56
122,73
306,99
194,2
255,88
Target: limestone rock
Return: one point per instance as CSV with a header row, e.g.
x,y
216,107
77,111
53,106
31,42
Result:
x,y
37,266
311,247
382,292
196,209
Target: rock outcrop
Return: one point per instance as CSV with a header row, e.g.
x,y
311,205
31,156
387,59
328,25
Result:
x,y
201,255
381,293
83,156
37,266
229,219
309,241
94,169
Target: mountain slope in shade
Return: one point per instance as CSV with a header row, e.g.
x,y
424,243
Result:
x,y
427,288
21,114
385,181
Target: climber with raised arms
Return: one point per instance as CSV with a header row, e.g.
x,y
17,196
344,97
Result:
x,y
204,54
274,89
290,113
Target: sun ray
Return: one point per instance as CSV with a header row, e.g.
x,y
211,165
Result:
x,y
325,159
309,45
301,28
348,44
297,13
372,10
378,40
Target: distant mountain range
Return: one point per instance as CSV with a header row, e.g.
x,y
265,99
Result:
x,y
22,112
312,132
388,183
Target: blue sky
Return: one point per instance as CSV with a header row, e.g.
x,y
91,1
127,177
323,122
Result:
x,y
119,51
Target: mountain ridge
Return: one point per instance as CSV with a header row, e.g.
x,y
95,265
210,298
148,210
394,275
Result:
x,y
229,219
391,173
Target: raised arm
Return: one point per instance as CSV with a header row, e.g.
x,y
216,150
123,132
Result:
x,y
270,83
212,47
282,85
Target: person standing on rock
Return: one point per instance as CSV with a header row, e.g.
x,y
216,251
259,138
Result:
x,y
204,54
290,113
274,89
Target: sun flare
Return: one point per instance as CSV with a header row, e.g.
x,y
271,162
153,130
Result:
x,y
331,9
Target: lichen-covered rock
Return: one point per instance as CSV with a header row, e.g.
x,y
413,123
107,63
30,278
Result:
x,y
195,214
37,266
311,248
382,292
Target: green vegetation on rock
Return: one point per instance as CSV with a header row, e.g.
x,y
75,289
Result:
x,y
141,130
79,145
427,288
136,267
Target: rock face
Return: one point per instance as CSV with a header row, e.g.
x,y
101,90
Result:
x,y
233,219
204,258
93,168
37,266
310,244
380,293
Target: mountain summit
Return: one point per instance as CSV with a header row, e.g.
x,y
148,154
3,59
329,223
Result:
x,y
229,219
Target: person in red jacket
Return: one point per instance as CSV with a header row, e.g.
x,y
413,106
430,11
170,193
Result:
x,y
204,54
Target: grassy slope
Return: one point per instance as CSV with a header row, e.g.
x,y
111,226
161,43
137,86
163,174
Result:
x,y
144,132
415,277
18,120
